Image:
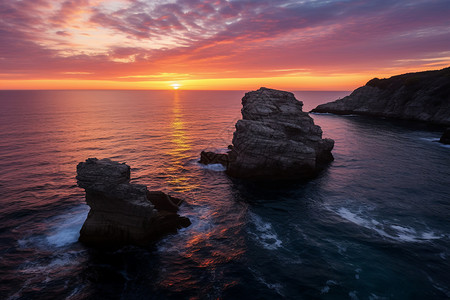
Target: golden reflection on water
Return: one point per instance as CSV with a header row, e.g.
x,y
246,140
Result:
x,y
179,148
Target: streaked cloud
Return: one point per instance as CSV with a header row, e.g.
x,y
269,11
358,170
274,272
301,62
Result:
x,y
123,39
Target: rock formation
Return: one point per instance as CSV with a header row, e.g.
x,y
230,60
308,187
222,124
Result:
x,y
207,158
423,96
274,140
445,138
121,212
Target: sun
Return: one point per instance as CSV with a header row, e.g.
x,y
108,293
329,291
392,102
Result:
x,y
175,86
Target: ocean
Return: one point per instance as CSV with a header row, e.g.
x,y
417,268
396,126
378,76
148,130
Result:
x,y
374,225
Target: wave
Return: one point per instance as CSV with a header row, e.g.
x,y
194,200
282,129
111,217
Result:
x,y
396,232
264,233
214,167
434,140
60,231
327,286
277,287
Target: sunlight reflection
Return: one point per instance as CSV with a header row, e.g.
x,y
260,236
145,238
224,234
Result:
x,y
179,151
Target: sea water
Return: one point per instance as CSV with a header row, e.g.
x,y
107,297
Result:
x,y
374,225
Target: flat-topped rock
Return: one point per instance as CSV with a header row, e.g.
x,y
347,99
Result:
x,y
99,174
275,139
422,96
121,212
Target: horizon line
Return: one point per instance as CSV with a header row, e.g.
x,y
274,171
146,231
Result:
x,y
174,90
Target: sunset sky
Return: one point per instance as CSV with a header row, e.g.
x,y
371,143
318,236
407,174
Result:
x,y
218,44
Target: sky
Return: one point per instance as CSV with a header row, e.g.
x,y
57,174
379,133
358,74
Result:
x,y
218,44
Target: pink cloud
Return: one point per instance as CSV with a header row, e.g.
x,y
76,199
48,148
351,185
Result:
x,y
242,38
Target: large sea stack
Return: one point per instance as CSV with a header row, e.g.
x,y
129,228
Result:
x,y
422,96
121,212
274,140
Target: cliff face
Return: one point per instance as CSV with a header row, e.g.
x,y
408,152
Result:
x,y
422,96
274,140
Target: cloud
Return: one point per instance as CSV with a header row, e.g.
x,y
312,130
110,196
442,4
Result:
x,y
141,39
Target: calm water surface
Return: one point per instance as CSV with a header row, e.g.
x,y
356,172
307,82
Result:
x,y
374,225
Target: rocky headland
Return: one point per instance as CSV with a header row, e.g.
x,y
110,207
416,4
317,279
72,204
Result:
x,y
422,96
121,212
274,140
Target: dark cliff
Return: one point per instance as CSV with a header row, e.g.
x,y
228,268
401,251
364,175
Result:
x,y
422,96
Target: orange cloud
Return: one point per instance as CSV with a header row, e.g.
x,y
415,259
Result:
x,y
218,44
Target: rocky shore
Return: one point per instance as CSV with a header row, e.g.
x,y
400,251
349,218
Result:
x,y
274,140
121,212
422,96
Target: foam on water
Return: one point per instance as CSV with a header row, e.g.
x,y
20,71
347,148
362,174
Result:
x,y
435,140
327,286
353,295
430,139
201,225
264,233
384,228
60,231
375,297
287,233
277,287
214,167
66,231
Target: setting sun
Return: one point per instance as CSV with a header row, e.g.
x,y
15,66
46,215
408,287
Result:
x,y
175,86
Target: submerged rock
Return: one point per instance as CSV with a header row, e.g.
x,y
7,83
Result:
x,y
121,212
275,140
445,138
422,96
207,158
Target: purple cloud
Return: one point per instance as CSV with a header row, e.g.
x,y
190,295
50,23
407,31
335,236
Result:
x,y
240,37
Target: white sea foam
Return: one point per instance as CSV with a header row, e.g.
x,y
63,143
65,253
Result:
x,y
60,231
375,297
430,139
214,167
277,287
384,228
264,233
353,295
439,287
357,273
201,226
436,141
67,230
327,287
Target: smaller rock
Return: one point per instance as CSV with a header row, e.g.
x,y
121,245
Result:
x,y
207,158
122,212
162,201
445,138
